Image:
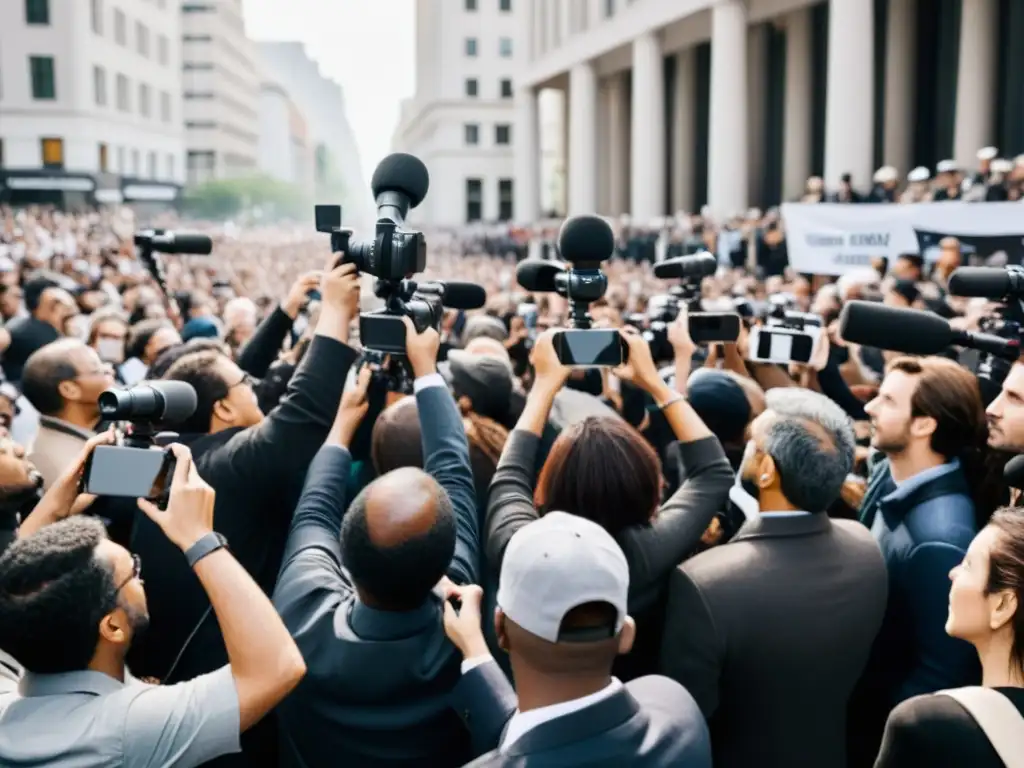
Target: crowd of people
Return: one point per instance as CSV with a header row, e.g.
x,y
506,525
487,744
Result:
x,y
691,559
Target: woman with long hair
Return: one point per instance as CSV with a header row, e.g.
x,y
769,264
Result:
x,y
971,726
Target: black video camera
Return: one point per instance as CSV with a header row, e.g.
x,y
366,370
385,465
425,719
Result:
x,y
133,469
583,242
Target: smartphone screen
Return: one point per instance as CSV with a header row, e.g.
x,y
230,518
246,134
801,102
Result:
x,y
136,473
714,327
593,348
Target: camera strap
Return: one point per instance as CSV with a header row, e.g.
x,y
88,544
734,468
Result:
x,y
166,680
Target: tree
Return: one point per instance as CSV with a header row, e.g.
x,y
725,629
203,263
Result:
x,y
227,198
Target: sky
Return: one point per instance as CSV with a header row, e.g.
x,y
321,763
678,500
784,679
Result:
x,y
367,46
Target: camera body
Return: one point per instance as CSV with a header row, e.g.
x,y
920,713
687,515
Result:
x,y
393,254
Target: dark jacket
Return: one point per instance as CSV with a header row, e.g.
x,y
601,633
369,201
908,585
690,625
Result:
x,y
923,527
652,551
379,687
770,634
258,475
650,722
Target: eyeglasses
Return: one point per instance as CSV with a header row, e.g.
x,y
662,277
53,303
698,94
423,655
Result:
x,y
136,572
246,379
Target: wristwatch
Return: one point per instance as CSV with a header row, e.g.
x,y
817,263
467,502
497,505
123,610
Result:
x,y
211,542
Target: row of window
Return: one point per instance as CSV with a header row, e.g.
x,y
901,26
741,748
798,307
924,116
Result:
x,y
503,5
502,134
473,87
475,200
504,47
52,150
123,95
142,36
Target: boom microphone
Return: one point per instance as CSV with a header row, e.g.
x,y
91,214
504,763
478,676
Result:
x,y
1013,472
914,332
585,239
986,282
403,174
175,242
461,295
537,275
698,265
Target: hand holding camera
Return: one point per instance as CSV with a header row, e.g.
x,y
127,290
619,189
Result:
x,y
354,404
189,513
298,294
548,371
421,349
340,291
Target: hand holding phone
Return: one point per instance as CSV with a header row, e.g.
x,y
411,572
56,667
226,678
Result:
x,y
189,513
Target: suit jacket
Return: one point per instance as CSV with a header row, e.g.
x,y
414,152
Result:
x,y
56,447
650,722
378,691
770,634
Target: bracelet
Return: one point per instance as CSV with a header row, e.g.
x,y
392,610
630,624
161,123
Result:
x,y
207,545
672,401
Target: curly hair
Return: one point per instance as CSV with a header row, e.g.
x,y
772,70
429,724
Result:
x,y
53,594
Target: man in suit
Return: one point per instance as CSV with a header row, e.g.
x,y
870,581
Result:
x,y
771,631
562,618
363,609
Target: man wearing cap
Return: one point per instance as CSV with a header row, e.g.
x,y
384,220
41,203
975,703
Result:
x,y
884,189
562,618
918,189
947,181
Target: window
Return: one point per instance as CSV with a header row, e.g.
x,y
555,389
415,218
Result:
x,y
505,200
124,102
503,134
471,87
609,8
474,200
151,165
197,8
121,168
142,39
505,5
170,167
135,162
143,99
470,5
165,107
97,16
103,158
99,86
472,133
53,153
120,27
37,11
44,85
163,48
506,88
471,46
505,47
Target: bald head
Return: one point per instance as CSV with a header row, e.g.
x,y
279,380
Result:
x,y
396,437
398,539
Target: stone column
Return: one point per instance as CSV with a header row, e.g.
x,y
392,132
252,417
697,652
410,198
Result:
x,y
527,157
900,61
849,106
647,135
727,153
976,81
582,139
796,139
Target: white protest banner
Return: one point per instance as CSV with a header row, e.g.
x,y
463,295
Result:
x,y
834,238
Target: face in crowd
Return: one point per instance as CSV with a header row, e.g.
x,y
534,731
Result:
x,y
1006,414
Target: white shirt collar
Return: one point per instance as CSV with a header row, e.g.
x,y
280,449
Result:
x,y
522,722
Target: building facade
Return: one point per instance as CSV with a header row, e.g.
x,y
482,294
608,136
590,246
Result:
x,y
286,152
90,101
675,104
460,121
337,170
221,84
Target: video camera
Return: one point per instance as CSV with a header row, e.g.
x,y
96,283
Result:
x,y
150,243
133,469
583,242
395,254
705,327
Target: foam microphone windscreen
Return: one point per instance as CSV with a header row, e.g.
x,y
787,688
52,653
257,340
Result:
x,y
401,173
697,265
585,238
537,275
1013,472
460,295
188,242
987,282
179,399
900,330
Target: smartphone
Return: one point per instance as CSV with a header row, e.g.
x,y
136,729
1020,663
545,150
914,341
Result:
x,y
774,344
592,348
714,327
135,473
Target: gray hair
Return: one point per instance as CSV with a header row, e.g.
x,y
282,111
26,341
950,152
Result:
x,y
812,442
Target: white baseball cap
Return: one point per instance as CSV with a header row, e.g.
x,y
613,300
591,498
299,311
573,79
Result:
x,y
987,153
919,174
946,166
559,563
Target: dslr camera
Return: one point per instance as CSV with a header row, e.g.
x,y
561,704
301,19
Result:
x,y
583,242
392,257
134,468
705,327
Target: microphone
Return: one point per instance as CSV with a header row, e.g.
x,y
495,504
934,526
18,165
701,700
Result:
x,y
585,239
914,332
1013,472
158,401
986,282
177,242
403,174
538,276
462,295
698,265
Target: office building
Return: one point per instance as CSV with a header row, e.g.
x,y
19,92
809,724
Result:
x,y
286,152
221,91
460,118
338,171
673,104
90,101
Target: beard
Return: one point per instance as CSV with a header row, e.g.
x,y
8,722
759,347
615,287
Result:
x,y
889,444
748,472
138,621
